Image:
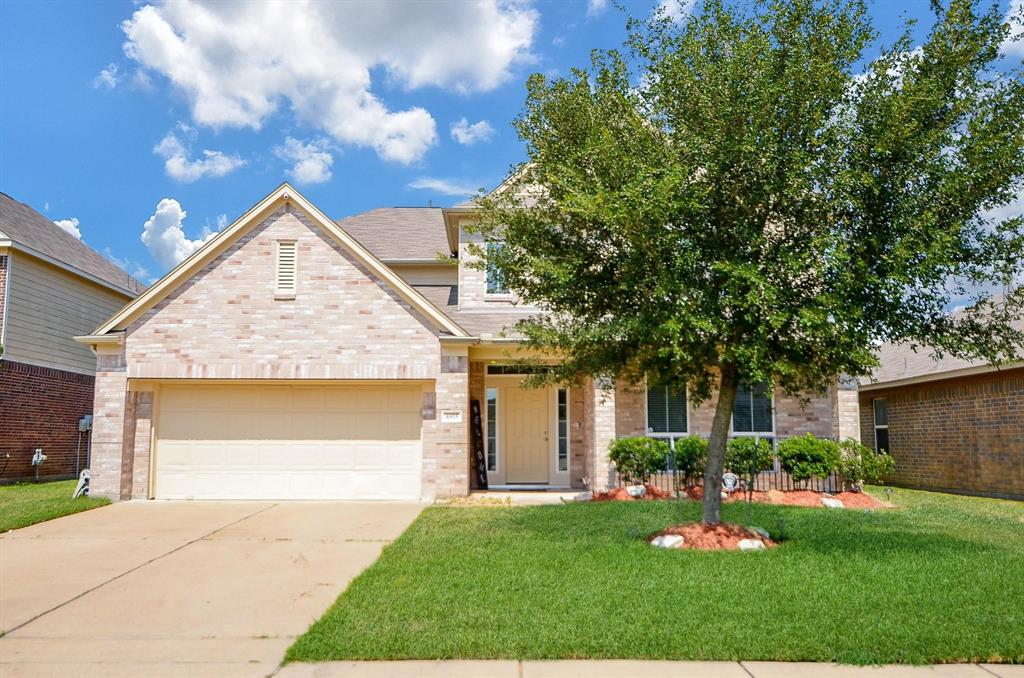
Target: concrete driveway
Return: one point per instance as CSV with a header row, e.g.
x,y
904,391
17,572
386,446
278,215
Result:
x,y
180,588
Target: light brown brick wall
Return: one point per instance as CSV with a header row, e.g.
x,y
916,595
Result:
x,y
580,428
225,323
961,435
791,416
108,424
446,445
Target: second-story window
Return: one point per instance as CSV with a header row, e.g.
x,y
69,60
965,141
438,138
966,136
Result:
x,y
495,279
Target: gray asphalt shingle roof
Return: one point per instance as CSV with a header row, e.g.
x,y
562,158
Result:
x,y
479,323
24,226
396,233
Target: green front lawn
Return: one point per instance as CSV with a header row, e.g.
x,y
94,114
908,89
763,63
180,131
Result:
x,y
31,503
940,579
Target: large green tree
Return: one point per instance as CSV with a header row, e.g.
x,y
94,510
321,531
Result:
x,y
743,197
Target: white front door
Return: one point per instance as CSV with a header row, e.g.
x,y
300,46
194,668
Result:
x,y
526,434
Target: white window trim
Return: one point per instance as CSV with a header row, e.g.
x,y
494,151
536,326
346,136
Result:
x,y
669,435
753,434
568,431
497,429
876,425
758,435
503,295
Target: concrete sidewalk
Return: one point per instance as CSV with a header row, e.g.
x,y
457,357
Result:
x,y
619,668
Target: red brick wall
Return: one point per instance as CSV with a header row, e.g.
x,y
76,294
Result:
x,y
959,435
40,407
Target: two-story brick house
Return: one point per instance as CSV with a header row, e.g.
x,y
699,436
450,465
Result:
x,y
52,287
295,357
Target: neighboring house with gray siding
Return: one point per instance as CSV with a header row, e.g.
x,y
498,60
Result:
x,y
52,288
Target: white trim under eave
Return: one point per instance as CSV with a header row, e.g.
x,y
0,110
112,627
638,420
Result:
x,y
284,194
939,376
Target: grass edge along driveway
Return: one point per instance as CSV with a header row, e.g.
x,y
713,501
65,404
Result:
x,y
26,504
939,579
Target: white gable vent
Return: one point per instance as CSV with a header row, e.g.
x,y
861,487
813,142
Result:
x,y
286,268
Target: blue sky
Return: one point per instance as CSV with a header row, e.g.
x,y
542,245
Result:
x,y
121,117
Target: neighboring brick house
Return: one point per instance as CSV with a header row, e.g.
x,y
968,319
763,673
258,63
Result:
x,y
951,425
293,356
52,287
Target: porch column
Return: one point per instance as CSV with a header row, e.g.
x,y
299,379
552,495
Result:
x,y
845,409
110,406
446,427
599,406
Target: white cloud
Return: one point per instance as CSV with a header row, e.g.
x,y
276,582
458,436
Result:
x,y
676,10
444,186
595,7
1014,44
163,234
237,63
70,226
178,165
467,134
108,77
311,161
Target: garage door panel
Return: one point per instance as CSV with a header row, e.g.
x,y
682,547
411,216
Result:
x,y
288,442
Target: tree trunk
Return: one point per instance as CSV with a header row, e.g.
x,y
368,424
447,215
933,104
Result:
x,y
712,503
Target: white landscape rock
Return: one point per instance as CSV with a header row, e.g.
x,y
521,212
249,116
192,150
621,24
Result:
x,y
751,545
636,490
667,541
759,530
831,502
584,496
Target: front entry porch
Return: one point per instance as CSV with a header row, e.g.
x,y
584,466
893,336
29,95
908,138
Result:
x,y
526,433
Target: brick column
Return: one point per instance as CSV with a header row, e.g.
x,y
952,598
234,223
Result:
x,y
108,426
446,428
599,409
845,409
141,444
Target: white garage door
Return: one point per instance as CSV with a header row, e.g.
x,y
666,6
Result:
x,y
288,442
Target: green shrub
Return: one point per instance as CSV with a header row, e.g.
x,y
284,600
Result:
x,y
746,457
691,456
859,464
637,458
806,457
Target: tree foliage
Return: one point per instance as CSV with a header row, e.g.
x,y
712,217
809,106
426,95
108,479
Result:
x,y
737,197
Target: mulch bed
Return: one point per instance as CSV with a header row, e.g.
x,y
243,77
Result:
x,y
807,498
723,536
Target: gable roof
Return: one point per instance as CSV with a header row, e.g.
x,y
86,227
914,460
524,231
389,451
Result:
x,y
31,232
400,233
282,195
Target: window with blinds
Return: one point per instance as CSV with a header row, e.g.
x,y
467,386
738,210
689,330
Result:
x,y
286,268
752,410
666,410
